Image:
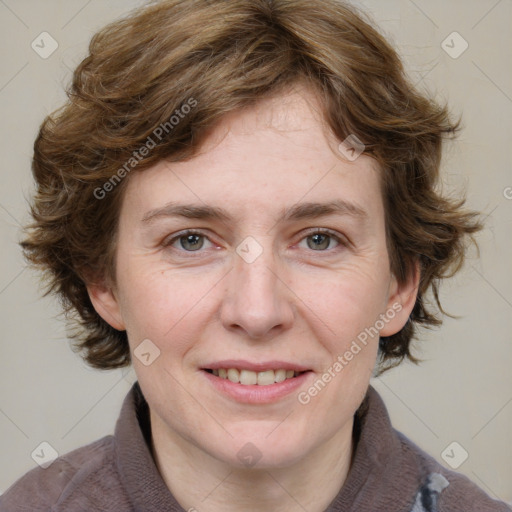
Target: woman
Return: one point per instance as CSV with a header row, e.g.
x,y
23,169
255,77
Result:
x,y
240,199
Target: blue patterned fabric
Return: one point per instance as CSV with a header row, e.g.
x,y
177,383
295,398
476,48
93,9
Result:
x,y
428,494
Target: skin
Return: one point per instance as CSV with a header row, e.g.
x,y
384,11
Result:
x,y
295,303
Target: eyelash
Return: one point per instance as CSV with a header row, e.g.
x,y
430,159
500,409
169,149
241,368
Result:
x,y
316,231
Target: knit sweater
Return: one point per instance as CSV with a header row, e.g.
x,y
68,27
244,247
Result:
x,y
117,473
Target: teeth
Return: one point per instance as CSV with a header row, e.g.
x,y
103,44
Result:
x,y
233,375
280,375
248,377
266,378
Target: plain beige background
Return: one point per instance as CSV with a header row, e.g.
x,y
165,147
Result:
x,y
462,392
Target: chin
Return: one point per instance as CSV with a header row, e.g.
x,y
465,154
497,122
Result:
x,y
265,451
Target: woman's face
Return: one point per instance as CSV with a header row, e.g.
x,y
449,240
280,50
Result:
x,y
284,267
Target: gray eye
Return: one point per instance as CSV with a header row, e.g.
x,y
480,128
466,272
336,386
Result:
x,y
192,242
319,241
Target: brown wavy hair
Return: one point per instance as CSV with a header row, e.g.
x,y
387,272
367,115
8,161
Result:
x,y
221,56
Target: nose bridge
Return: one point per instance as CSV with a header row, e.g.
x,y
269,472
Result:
x,y
257,279
256,301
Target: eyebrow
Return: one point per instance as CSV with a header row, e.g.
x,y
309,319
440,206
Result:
x,y
309,210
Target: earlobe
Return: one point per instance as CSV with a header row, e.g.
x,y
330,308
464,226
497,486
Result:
x,y
106,305
401,302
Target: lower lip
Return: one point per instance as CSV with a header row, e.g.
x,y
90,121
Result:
x,y
255,394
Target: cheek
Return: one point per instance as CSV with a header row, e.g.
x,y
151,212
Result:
x,y
163,306
343,304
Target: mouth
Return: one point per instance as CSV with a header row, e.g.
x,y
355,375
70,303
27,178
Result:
x,y
254,378
256,383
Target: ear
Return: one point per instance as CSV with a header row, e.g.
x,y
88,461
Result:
x,y
106,304
402,298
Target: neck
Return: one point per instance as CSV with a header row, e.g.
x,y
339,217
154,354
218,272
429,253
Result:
x,y
199,481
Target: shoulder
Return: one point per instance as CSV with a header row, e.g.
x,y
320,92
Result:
x,y
444,490
463,495
81,478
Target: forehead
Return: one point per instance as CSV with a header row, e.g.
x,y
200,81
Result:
x,y
263,159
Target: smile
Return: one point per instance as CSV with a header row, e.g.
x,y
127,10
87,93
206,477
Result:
x,y
249,377
256,383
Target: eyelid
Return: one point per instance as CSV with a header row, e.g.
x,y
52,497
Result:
x,y
341,239
168,241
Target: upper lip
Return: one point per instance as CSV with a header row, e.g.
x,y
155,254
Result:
x,y
241,364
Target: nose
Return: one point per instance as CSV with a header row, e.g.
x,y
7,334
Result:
x,y
257,301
